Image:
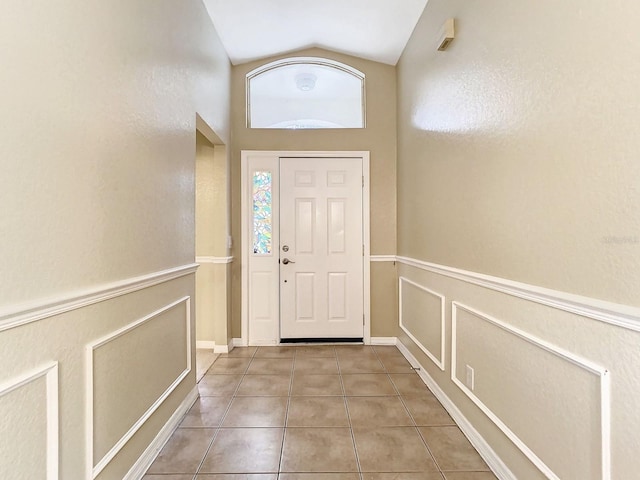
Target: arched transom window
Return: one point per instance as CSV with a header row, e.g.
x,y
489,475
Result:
x,y
305,93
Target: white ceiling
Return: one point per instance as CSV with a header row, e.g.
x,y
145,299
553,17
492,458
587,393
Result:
x,y
373,29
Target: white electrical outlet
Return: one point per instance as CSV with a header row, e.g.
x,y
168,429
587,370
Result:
x,y
470,378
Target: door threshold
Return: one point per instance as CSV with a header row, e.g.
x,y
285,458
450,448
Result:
x,y
328,341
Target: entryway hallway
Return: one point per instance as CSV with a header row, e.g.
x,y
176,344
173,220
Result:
x,y
347,412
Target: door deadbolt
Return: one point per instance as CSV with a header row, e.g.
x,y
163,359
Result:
x,y
285,248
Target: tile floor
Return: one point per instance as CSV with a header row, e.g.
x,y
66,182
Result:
x,y
347,412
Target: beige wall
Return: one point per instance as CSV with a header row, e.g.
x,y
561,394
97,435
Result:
x,y
379,138
211,241
97,149
517,158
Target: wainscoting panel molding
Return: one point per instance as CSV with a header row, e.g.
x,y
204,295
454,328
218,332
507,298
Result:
x,y
492,459
597,370
49,373
15,316
439,360
94,469
607,312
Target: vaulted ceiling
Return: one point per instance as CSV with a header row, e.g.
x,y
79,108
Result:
x,y
372,29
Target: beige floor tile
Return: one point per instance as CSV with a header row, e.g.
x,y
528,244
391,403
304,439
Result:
x,y
218,385
318,450
316,385
316,351
392,449
184,451
240,352
356,364
319,476
368,384
204,359
409,384
378,411
451,449
168,477
270,385
244,450
388,351
237,476
360,351
393,364
316,366
275,352
206,412
270,366
403,476
256,412
224,365
469,476
426,410
317,412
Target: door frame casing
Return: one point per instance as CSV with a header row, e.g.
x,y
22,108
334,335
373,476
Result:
x,y
245,235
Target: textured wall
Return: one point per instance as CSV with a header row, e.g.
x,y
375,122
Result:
x,y
379,138
518,145
517,158
97,157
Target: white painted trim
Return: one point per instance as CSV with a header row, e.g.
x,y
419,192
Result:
x,y
591,367
205,344
221,349
383,258
612,313
366,208
216,260
238,342
50,374
384,340
492,459
143,463
440,362
15,316
94,470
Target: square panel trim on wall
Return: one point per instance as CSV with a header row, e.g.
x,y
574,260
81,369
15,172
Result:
x,y
94,469
50,374
438,360
597,370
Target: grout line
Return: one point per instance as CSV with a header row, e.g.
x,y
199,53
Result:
x,y
286,413
224,415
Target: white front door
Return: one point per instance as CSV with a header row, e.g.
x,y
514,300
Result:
x,y
321,248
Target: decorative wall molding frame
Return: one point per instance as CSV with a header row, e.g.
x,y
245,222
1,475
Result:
x,y
16,316
50,374
215,260
93,470
612,313
143,463
440,362
601,372
383,258
494,462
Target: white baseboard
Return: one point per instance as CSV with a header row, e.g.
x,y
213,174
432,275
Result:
x,y
238,342
384,340
494,462
206,344
149,455
222,348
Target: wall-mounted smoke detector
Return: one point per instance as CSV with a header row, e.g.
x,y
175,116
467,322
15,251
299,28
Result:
x,y
447,34
306,81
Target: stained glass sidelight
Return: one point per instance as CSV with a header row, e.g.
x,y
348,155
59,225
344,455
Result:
x,y
262,213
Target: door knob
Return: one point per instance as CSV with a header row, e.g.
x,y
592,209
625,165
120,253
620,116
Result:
x,y
286,261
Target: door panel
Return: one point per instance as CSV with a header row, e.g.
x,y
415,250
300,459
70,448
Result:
x,y
321,289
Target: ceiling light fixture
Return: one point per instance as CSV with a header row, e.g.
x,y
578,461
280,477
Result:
x,y
306,81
